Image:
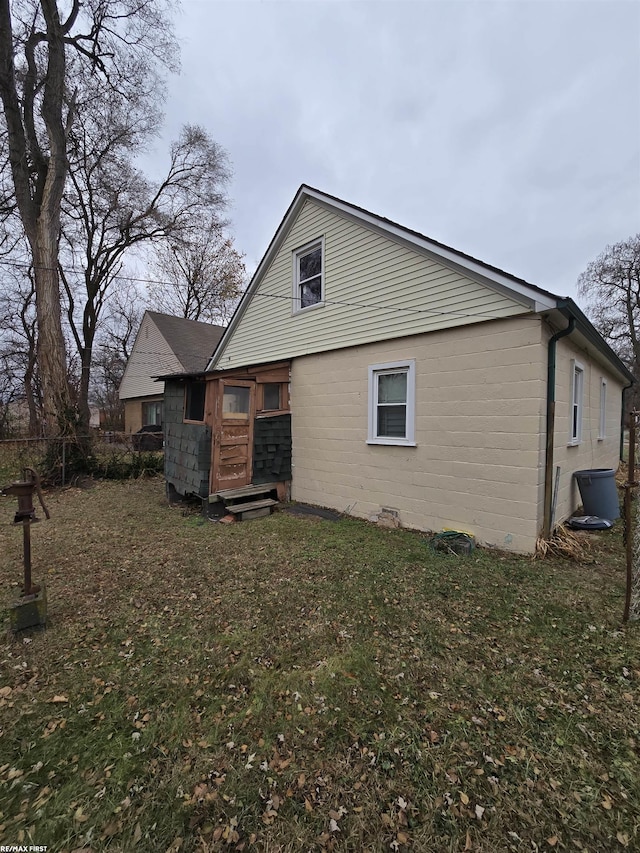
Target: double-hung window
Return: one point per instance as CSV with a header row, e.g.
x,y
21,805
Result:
x,y
308,276
602,431
577,403
392,403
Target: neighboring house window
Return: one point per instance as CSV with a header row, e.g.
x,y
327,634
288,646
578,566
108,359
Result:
x,y
392,403
308,276
152,413
577,393
194,400
602,432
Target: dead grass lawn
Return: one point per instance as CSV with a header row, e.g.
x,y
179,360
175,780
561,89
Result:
x,y
296,684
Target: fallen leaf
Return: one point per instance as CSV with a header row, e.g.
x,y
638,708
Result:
x,y
112,828
59,699
464,798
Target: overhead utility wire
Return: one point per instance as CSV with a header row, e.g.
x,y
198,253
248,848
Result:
x,y
429,311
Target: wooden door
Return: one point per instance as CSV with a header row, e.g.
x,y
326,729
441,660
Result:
x,y
233,434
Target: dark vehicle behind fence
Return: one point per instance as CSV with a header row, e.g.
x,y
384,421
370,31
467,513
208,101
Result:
x,y
149,437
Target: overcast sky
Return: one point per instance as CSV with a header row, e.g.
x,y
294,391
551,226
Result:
x,y
509,130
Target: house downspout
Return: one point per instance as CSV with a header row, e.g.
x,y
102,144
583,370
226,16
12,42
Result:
x,y
551,419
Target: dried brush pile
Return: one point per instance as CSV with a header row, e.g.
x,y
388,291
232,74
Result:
x,y
565,543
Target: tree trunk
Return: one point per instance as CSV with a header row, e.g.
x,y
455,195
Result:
x,y
30,394
58,415
84,414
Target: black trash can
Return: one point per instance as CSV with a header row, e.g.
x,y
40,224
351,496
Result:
x,y
599,493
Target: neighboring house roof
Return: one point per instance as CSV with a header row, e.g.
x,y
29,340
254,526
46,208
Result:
x,y
191,341
529,297
166,344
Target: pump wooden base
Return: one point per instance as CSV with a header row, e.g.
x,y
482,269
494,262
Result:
x,y
29,611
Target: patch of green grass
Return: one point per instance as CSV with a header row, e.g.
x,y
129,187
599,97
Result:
x,y
296,684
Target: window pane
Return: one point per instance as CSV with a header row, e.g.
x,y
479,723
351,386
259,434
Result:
x,y
392,421
271,397
311,293
194,409
152,413
235,400
392,388
576,407
311,264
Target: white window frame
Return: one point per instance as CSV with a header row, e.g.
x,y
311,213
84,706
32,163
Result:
x,y
376,370
577,402
297,254
602,431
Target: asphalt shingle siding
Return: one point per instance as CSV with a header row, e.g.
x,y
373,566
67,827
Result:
x,y
272,449
187,447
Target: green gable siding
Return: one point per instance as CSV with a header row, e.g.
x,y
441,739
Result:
x,y
376,288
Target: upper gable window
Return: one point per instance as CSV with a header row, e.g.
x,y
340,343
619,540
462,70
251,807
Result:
x,y
308,276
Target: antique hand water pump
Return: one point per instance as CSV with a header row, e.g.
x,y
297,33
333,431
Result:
x,y
26,515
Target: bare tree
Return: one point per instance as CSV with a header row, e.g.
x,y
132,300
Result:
x,y
122,317
18,337
200,278
111,208
42,53
610,286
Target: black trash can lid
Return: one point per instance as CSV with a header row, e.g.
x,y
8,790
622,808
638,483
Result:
x,y
589,522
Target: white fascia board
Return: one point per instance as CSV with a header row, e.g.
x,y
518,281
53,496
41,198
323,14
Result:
x,y
539,300
263,266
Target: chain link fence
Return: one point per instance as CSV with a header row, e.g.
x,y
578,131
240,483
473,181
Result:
x,y
632,526
634,580
62,460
